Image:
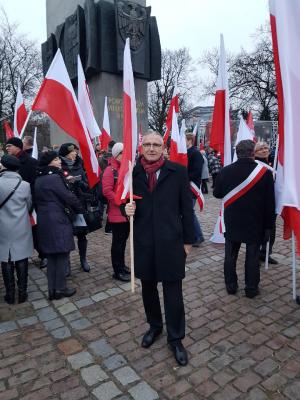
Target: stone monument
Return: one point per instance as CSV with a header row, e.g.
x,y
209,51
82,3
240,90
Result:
x,y
97,30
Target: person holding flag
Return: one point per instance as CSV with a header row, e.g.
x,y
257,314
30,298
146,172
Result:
x,y
248,205
163,236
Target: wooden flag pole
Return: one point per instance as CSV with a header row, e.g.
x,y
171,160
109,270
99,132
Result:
x,y
131,230
25,124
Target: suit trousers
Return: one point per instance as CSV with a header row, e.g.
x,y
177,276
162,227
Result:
x,y
56,271
174,308
252,272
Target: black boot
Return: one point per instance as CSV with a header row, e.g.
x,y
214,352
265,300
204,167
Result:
x,y
9,281
82,246
22,275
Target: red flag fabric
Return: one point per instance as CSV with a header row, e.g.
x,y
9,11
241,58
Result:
x,y
286,42
56,98
178,152
7,129
199,196
105,133
20,114
174,105
129,127
220,137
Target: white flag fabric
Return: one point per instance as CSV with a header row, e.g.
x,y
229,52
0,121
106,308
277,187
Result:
x,y
35,153
244,133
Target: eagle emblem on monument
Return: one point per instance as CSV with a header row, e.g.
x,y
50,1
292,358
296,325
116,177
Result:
x,y
132,20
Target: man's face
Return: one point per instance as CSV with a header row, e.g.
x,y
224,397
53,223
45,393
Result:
x,y
152,147
12,150
26,145
262,151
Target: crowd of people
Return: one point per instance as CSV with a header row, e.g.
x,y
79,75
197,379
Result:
x,y
55,188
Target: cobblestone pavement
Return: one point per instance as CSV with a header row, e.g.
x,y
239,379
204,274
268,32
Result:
x,y
88,347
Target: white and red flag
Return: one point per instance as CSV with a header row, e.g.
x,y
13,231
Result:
x,y
85,103
35,152
56,98
130,132
286,44
8,131
20,114
105,133
250,122
198,193
220,137
140,145
244,133
178,152
174,107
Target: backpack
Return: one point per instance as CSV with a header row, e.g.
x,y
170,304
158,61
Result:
x,y
102,198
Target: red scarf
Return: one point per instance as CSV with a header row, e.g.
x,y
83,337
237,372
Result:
x,y
151,168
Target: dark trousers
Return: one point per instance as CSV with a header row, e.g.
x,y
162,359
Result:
x,y
120,233
214,177
252,272
204,187
272,240
174,308
56,271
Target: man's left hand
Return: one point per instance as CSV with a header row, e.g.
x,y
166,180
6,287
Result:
x,y
187,248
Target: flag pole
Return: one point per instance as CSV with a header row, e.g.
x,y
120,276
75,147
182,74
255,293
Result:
x,y
131,230
294,265
25,124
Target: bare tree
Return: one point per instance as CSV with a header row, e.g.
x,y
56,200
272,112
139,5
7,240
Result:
x,y
20,63
177,66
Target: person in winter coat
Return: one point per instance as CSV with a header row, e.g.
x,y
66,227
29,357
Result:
x,y
16,243
249,216
74,172
205,173
118,222
55,230
194,167
214,166
163,235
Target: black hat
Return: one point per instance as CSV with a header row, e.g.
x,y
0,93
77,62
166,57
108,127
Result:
x,y
66,149
15,142
47,157
11,163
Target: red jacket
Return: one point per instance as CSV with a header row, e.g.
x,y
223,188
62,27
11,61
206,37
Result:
x,y
109,188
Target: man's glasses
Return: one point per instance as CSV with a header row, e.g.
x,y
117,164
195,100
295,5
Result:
x,y
149,145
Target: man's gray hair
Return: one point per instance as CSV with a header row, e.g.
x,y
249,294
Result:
x,y
245,149
28,140
150,132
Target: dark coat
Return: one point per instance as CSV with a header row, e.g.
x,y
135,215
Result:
x,y
54,229
163,223
28,168
195,165
247,218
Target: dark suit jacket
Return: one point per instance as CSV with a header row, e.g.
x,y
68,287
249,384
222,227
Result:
x,y
195,165
248,217
163,223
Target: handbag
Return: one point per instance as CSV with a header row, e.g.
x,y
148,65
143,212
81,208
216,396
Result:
x,y
93,217
11,193
70,213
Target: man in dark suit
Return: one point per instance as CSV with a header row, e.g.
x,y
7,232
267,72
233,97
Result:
x,y
163,235
249,217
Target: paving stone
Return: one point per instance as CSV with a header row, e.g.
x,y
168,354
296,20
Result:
x,y
27,321
46,314
107,391
126,375
114,291
99,296
101,348
143,391
9,394
67,308
73,316
80,324
61,333
35,295
40,304
292,391
114,362
7,326
266,367
77,393
257,394
80,360
53,324
93,375
69,346
84,302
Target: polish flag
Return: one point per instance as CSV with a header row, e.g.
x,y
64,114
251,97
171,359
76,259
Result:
x,y
35,153
20,114
178,152
85,103
244,133
130,131
220,137
199,196
174,105
105,134
56,98
286,43
8,131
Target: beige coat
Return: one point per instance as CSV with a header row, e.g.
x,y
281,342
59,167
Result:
x,y
15,227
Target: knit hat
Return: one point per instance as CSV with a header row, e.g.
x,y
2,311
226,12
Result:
x,y
11,163
47,157
117,149
15,142
66,149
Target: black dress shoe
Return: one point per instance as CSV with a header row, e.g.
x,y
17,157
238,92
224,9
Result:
x,y
180,354
122,276
251,293
298,300
85,266
43,263
126,270
197,244
68,292
232,288
273,261
51,295
149,337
